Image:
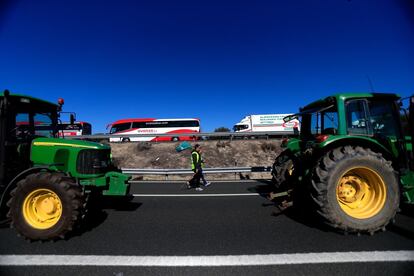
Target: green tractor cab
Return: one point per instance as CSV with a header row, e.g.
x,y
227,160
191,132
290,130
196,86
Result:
x,y
353,159
44,180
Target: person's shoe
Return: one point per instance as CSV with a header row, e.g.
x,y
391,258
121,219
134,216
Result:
x,y
199,189
207,184
188,185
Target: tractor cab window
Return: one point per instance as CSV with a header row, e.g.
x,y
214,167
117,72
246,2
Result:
x,y
382,118
404,113
43,124
357,117
325,121
33,124
22,127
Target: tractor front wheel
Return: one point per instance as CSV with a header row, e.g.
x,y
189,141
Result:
x,y
45,206
282,170
355,190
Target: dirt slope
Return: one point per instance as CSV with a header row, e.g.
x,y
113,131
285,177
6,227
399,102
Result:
x,y
237,153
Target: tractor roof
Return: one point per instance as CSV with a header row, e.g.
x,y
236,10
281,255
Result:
x,y
346,96
27,97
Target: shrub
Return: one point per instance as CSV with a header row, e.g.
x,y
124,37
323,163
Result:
x,y
222,129
222,144
268,146
143,146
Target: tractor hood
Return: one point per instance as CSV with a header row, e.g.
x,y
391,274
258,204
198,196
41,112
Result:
x,y
56,142
79,158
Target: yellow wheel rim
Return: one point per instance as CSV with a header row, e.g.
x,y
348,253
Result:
x,y
290,170
42,209
361,193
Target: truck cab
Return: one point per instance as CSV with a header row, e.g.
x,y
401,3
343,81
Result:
x,y
245,125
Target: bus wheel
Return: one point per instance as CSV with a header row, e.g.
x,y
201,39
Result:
x,y
175,139
126,140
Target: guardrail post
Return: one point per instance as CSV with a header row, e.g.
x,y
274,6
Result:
x,y
235,173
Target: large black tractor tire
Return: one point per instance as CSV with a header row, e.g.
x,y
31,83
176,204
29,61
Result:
x,y
282,170
355,190
45,206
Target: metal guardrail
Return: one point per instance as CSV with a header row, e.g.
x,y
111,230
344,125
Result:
x,y
207,135
166,172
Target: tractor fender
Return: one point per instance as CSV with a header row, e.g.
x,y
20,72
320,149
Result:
x,y
358,141
13,183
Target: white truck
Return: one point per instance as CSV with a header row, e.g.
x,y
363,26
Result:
x,y
266,122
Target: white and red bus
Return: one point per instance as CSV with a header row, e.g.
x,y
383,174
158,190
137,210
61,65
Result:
x,y
122,128
76,129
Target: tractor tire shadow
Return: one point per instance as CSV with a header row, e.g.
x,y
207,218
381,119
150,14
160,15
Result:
x,y
404,224
264,188
302,216
299,212
96,212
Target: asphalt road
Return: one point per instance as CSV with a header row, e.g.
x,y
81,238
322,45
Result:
x,y
230,221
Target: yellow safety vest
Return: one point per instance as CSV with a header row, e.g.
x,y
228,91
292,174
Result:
x,y
197,159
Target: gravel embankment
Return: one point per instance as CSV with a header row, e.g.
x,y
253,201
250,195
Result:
x,y
236,153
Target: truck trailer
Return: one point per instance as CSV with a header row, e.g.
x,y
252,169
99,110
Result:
x,y
266,122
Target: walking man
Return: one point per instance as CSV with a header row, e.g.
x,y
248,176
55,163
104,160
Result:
x,y
197,168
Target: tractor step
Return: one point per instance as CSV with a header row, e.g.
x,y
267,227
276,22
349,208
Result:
x,y
273,195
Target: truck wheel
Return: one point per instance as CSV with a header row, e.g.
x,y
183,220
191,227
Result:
x,y
355,190
45,206
282,170
126,140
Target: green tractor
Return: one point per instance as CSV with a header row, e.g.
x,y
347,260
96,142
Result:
x,y
353,160
44,180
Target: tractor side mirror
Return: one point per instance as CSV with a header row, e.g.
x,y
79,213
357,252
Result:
x,y
72,119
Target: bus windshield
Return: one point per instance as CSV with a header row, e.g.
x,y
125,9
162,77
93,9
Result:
x,y
119,127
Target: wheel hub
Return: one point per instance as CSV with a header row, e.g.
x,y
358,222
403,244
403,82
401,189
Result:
x,y
42,209
361,193
48,206
349,188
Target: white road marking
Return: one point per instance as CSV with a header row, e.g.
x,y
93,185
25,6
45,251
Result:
x,y
207,261
193,195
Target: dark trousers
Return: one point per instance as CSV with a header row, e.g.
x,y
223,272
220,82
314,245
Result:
x,y
195,180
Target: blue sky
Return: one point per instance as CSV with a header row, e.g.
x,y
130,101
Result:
x,y
214,60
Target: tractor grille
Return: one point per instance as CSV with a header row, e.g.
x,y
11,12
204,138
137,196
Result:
x,y
93,161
